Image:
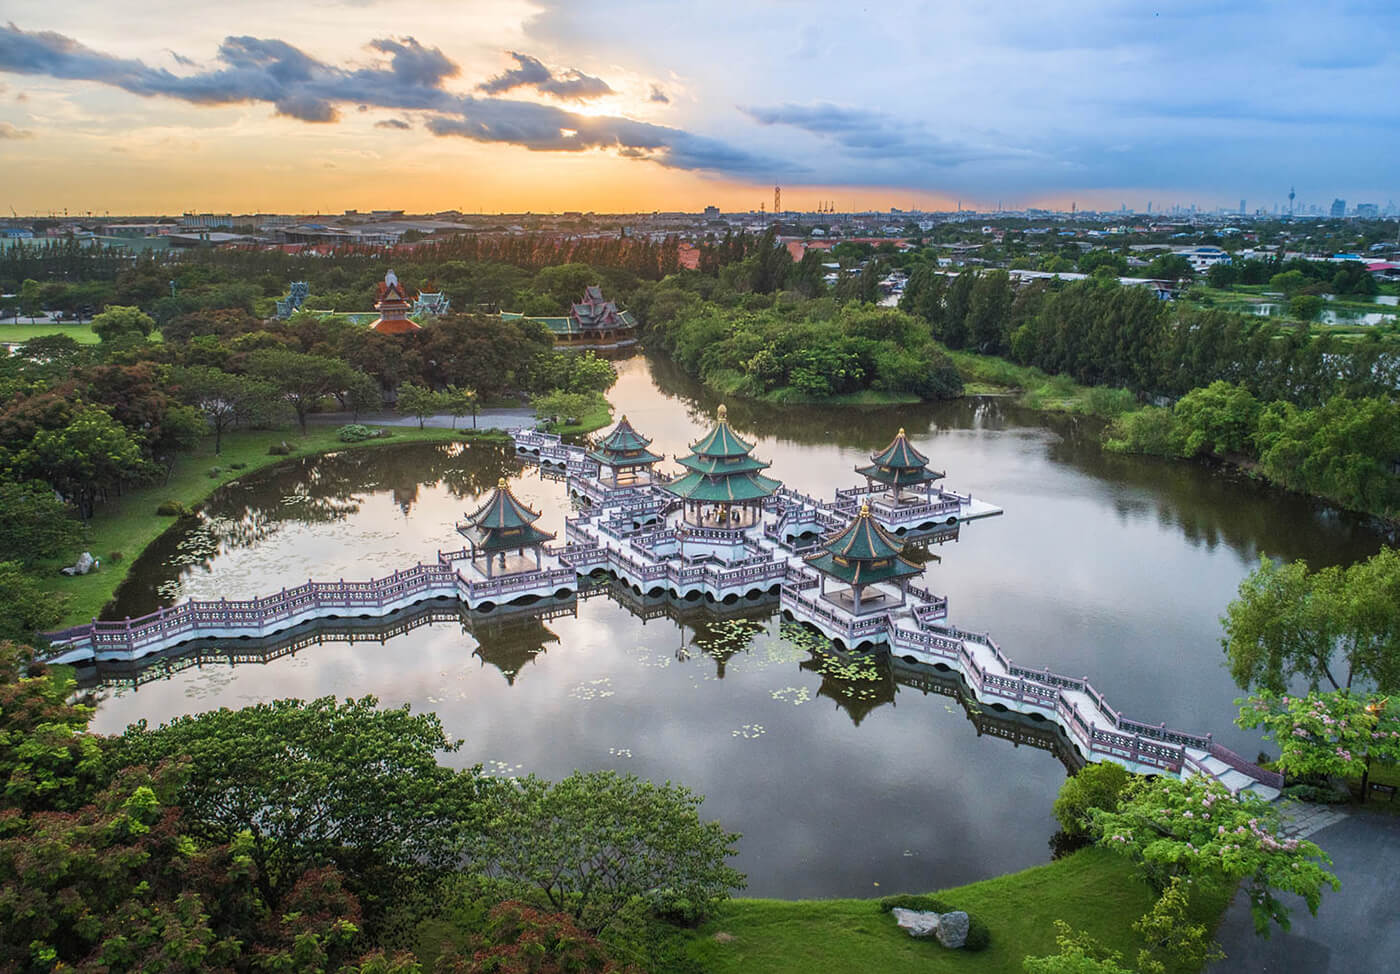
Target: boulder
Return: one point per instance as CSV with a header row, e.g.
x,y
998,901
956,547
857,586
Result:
x,y
919,924
82,566
952,929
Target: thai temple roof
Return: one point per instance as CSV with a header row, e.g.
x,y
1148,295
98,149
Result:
x,y
719,468
624,447
502,523
863,552
899,464
393,307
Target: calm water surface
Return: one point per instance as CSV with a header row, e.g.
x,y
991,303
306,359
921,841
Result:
x,y
1113,567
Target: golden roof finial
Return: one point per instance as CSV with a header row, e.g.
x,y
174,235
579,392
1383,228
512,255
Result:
x,y
501,483
864,508
901,431
721,412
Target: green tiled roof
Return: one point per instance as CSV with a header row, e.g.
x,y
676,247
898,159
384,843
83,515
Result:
x,y
899,454
503,523
741,487
624,447
722,441
863,552
722,466
894,477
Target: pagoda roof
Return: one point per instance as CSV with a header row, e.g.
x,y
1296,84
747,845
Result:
x,y
899,477
863,552
722,466
624,447
721,441
747,486
503,522
899,455
394,326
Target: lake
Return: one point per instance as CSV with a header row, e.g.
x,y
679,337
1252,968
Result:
x,y
845,778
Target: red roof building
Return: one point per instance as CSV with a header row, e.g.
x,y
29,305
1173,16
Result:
x,y
393,306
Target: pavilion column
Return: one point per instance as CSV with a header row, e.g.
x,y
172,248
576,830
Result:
x,y
537,558
856,589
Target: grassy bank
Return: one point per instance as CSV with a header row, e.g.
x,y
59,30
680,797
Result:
x,y
991,375
1093,890
10,332
595,419
129,523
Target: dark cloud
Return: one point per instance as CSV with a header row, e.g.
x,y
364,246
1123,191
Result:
x,y
870,134
658,95
8,131
531,72
269,71
180,59
392,123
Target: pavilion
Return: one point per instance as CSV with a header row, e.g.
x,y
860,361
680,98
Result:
x,y
898,466
499,527
722,486
623,454
393,306
863,554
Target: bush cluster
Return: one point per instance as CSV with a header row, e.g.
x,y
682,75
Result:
x,y
355,433
173,508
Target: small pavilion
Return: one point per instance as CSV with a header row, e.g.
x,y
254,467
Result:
x,y
722,486
393,306
860,555
501,530
899,466
623,458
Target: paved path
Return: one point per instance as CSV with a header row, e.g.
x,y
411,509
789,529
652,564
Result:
x,y
1355,930
502,419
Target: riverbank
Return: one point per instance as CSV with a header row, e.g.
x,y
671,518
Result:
x,y
990,375
1094,890
124,526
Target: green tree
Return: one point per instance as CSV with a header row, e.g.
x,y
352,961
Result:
x,y
223,398
1095,787
47,762
459,402
1219,419
36,526
82,460
564,407
1289,282
25,608
317,783
420,402
122,321
1078,954
1305,307
1172,941
302,380
1324,734
30,305
1336,626
598,840
1196,830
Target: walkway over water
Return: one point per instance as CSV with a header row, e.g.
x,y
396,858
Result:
x,y
639,534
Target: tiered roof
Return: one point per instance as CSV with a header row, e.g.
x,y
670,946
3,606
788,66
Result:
x,y
596,311
863,552
720,470
624,447
393,307
899,464
503,523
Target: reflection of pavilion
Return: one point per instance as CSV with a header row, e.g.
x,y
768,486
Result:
x,y
856,697
511,645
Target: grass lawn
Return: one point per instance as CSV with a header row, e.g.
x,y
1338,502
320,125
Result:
x,y
595,419
129,523
24,331
1094,890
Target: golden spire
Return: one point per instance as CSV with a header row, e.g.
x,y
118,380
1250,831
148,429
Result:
x,y
501,483
865,509
901,431
721,412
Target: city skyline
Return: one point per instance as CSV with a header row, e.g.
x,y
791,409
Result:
x,y
616,107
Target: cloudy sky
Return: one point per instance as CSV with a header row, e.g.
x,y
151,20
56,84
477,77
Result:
x,y
320,105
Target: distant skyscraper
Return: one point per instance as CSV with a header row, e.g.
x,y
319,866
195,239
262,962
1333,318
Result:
x,y
1367,211
1339,208
1241,207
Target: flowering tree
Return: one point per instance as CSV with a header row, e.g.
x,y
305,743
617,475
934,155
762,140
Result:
x,y
1197,830
1336,733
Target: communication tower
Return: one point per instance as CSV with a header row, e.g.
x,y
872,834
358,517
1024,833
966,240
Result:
x,y
1291,194
777,200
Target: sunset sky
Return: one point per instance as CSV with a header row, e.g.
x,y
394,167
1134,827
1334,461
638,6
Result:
x,y
323,105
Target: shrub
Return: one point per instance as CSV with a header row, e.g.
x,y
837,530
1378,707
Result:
x,y
922,902
1150,430
237,466
173,509
279,449
114,556
355,433
215,471
979,937
1093,788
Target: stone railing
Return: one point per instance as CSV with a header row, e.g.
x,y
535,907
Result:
x,y
194,619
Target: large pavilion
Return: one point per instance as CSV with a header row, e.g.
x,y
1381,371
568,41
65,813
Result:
x,y
722,486
623,458
862,554
500,526
393,307
899,466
